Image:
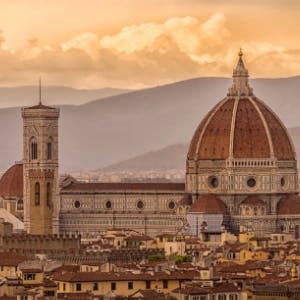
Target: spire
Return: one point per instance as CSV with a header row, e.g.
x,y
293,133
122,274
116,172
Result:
x,y
40,91
240,86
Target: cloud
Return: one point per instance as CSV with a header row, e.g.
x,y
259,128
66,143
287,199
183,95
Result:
x,y
186,33
287,63
88,42
144,54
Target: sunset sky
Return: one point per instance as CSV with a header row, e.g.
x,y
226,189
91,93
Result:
x,y
140,43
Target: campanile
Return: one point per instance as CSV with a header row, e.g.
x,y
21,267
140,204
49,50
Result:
x,y
40,163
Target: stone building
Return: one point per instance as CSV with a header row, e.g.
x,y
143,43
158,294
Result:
x,y
30,244
241,170
241,154
206,215
40,169
92,208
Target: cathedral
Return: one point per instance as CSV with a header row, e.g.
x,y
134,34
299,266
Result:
x,y
241,172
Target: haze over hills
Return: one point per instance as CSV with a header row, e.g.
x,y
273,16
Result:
x,y
54,95
168,158
114,129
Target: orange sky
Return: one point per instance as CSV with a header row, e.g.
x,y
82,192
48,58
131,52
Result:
x,y
138,43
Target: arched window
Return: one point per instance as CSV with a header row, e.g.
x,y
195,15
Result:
x,y
255,211
20,204
49,150
33,148
37,194
48,194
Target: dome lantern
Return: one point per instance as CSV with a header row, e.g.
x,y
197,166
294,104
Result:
x,y
240,86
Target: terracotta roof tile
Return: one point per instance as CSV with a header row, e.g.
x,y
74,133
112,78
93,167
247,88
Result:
x,y
123,276
100,186
208,204
211,139
253,200
186,200
290,205
11,259
11,182
138,238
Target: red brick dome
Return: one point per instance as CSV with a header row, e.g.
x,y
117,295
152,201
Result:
x,y
290,205
241,126
208,204
11,182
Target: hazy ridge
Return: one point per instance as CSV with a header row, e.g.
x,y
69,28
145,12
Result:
x,y
53,95
107,131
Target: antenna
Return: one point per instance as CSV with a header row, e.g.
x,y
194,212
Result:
x,y
40,91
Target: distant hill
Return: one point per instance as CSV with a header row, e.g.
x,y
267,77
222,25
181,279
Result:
x,y
171,157
114,129
53,95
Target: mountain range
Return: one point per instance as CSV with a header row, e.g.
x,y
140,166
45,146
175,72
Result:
x,y
113,129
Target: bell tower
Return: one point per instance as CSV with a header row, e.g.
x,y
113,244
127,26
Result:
x,y
40,168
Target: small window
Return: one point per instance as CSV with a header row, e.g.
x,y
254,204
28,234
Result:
x,y
33,148
20,204
140,204
108,204
64,286
95,286
77,204
29,276
48,194
49,151
130,285
78,287
171,204
165,284
148,284
37,194
213,182
113,286
251,182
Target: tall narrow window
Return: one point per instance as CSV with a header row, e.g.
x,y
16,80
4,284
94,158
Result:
x,y
33,148
297,232
49,150
48,194
37,194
